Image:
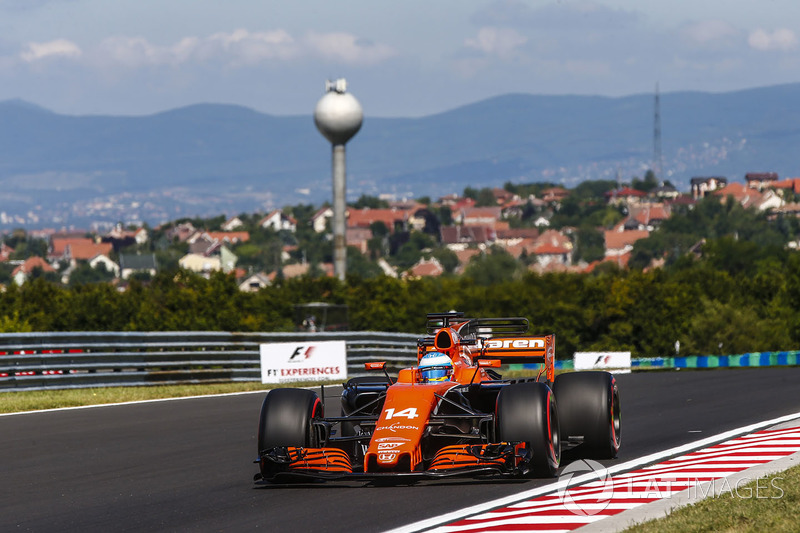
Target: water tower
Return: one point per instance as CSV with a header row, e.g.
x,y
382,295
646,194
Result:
x,y
338,117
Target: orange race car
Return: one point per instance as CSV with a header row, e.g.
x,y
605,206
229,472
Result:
x,y
450,415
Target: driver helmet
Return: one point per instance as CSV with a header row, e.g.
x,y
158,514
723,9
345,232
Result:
x,y
435,366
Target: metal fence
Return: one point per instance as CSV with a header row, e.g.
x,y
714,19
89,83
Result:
x,y
32,361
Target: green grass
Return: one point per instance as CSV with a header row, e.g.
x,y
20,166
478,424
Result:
x,y
18,401
770,504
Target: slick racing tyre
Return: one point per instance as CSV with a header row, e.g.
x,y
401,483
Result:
x,y
588,403
285,421
526,412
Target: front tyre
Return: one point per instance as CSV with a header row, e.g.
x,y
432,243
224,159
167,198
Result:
x,y
526,412
285,421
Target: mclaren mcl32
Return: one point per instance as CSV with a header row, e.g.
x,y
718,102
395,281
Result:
x,y
452,414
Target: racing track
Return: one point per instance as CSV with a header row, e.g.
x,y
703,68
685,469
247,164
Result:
x,y
187,465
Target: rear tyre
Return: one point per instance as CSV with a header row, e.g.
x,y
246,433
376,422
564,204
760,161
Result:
x,y
526,412
285,421
589,405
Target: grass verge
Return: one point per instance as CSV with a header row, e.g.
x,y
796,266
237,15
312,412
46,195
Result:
x,y
769,504
19,401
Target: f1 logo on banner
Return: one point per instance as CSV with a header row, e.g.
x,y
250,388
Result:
x,y
284,362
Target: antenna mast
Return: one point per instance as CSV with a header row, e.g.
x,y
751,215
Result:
x,y
657,160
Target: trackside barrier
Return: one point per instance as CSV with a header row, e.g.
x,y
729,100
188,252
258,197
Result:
x,y
788,358
37,361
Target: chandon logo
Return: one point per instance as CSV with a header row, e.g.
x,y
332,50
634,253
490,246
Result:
x,y
395,427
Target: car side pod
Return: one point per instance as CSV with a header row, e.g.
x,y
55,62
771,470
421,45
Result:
x,y
589,408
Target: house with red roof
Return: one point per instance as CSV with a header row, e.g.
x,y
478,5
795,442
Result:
x,y
751,197
648,216
5,252
791,185
393,219
625,195
425,268
619,243
21,274
462,236
554,194
552,247
71,249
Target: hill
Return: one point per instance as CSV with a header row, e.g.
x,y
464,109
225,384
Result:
x,y
209,159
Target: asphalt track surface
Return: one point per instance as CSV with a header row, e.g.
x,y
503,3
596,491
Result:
x,y
187,465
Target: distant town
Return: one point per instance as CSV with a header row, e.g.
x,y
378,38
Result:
x,y
540,227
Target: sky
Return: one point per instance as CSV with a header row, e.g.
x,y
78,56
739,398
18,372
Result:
x,y
401,59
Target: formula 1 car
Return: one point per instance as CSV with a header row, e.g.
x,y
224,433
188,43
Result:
x,y
455,417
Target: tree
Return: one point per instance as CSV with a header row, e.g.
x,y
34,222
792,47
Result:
x,y
447,258
371,202
485,198
648,184
496,266
590,244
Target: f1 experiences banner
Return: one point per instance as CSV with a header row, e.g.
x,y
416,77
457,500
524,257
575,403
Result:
x,y
283,362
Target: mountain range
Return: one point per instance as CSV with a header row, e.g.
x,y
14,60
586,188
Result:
x,y
210,159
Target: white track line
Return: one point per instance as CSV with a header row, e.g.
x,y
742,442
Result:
x,y
136,402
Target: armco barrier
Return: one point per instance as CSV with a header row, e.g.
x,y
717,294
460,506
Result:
x,y
34,361
788,358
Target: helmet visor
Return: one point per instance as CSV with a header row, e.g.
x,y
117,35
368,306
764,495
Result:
x,y
438,373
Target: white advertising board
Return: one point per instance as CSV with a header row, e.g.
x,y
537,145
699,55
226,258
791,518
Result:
x,y
619,362
283,362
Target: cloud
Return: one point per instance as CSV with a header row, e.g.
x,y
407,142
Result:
x,y
58,48
781,39
348,49
239,48
712,34
500,42
579,15
28,5
242,47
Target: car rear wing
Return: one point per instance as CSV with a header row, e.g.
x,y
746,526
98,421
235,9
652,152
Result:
x,y
521,350
481,327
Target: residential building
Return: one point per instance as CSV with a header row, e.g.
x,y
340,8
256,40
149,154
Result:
x,y
279,221
760,180
255,282
130,264
108,264
425,268
320,219
21,274
625,195
701,186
